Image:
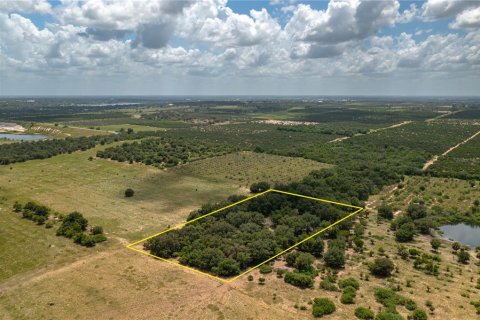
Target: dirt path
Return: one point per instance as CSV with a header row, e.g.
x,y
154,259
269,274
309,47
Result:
x,y
443,115
373,131
436,157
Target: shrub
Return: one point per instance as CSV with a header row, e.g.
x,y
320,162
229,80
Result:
x,y
348,295
17,206
322,307
129,193
265,268
49,224
435,243
97,230
349,282
385,211
291,257
364,313
386,315
258,187
99,238
303,261
382,267
463,256
300,280
227,267
419,314
335,257
416,211
314,246
409,304
328,285
405,232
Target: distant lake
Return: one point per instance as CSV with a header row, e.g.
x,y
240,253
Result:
x,y
463,233
22,137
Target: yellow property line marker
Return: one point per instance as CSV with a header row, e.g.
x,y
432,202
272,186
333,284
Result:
x,y
130,246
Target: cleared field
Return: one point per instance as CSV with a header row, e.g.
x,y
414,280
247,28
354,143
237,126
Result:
x,y
246,167
61,131
71,182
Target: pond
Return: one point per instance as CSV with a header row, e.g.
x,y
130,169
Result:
x,y
22,137
463,233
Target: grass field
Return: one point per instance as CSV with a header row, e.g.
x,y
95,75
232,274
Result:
x,y
120,284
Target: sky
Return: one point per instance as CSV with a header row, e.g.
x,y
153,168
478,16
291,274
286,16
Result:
x,y
220,47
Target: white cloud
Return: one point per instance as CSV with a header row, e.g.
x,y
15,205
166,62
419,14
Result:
x,y
439,9
26,6
468,19
408,15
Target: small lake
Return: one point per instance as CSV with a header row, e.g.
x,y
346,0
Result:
x,y
22,137
463,233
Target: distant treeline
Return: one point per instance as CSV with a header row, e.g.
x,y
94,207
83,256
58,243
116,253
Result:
x,y
23,151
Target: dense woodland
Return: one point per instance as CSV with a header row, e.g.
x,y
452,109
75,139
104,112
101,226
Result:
x,y
247,234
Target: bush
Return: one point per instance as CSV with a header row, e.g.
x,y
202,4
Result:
x,y
386,315
258,187
349,282
435,243
382,267
99,238
419,314
364,313
348,295
328,285
322,307
300,280
416,211
385,211
304,261
335,257
463,256
129,193
265,268
405,232
97,230
314,246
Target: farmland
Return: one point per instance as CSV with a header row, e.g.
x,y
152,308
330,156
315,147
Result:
x,y
182,159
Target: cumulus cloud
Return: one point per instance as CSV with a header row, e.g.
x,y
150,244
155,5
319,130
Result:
x,y
439,9
468,19
341,21
207,38
26,6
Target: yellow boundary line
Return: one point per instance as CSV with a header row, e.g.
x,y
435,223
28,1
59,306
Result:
x,y
130,246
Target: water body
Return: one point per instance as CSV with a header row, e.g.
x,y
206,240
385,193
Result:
x,y
463,233
22,137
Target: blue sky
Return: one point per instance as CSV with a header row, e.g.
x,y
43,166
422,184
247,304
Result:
x,y
240,47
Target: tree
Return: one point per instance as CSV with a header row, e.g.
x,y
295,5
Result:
x,y
435,243
416,211
349,282
227,267
382,267
304,261
335,257
314,246
405,232
129,193
385,211
322,307
463,256
258,187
